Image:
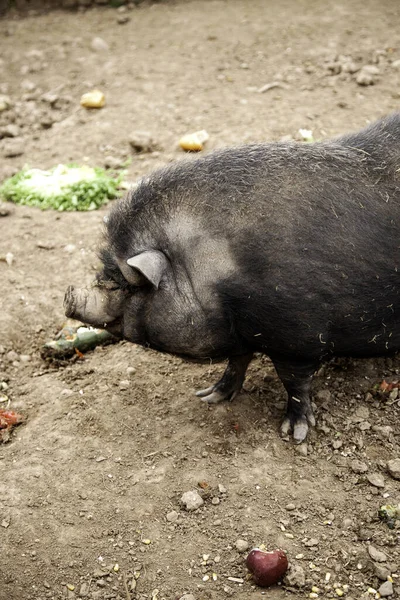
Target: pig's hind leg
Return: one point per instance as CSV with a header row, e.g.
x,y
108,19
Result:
x,y
230,383
297,378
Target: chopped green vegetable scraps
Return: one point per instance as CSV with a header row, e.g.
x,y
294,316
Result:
x,y
64,187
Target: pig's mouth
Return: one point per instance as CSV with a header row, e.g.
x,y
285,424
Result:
x,y
70,302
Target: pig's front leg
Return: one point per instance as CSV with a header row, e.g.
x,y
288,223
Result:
x,y
230,383
297,377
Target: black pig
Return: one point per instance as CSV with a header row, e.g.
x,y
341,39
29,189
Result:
x,y
292,250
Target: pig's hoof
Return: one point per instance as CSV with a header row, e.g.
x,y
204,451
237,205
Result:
x,y
299,427
213,395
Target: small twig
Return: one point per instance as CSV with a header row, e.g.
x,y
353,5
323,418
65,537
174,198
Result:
x,y
128,595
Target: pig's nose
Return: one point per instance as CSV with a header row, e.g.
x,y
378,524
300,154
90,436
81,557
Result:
x,y
70,301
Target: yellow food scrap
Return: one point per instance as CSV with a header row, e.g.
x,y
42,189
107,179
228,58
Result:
x,y
93,99
194,142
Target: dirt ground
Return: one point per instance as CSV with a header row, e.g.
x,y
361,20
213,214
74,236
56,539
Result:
x,y
90,484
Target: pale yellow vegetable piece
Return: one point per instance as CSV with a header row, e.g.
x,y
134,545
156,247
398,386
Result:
x,y
93,99
194,142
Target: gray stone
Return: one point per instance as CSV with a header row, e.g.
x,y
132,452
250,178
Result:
x,y
301,449
367,75
376,479
192,500
83,590
358,467
324,396
381,572
187,597
242,545
311,542
386,589
396,64
376,555
122,19
295,577
172,516
393,468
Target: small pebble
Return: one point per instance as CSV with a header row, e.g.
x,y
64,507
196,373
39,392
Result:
x,y
242,545
381,572
301,449
99,45
376,555
393,468
113,162
124,384
5,102
142,141
84,590
358,467
376,480
367,75
192,500
336,444
122,19
290,506
172,516
386,589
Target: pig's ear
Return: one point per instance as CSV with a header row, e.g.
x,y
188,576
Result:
x,y
151,264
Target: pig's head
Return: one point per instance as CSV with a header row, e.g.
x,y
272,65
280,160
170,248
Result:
x,y
148,296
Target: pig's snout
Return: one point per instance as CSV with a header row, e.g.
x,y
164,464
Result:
x,y
96,306
70,302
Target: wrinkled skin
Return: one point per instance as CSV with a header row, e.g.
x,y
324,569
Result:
x,y
291,250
